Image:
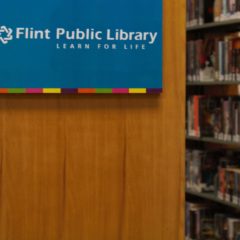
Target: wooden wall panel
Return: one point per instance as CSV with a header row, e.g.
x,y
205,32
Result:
x,y
97,167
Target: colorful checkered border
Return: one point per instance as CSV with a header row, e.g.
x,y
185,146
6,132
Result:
x,y
80,90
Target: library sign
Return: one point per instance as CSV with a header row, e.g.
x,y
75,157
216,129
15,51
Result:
x,y
84,46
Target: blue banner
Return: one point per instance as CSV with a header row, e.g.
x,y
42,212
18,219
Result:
x,y
72,44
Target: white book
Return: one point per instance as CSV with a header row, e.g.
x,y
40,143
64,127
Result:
x,y
235,200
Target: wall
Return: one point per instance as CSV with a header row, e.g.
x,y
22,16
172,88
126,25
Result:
x,y
97,167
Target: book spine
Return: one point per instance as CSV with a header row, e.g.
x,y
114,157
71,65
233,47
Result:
x,y
188,223
232,183
235,64
198,67
238,64
238,122
237,9
217,10
188,62
229,8
189,117
224,10
196,116
227,120
194,18
230,116
232,4
208,11
191,12
226,58
197,12
235,121
222,184
201,12
221,59
235,194
230,75
231,61
238,191
193,225
227,194
193,61
198,226
216,66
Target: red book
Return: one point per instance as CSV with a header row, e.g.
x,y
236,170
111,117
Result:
x,y
222,183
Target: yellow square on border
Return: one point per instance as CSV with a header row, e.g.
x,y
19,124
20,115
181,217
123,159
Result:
x,y
52,90
137,90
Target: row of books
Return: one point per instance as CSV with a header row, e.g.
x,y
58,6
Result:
x,y
214,58
224,10
203,221
205,11
214,117
228,188
201,170
217,172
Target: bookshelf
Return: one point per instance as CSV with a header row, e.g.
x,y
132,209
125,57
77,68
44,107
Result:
x,y
213,141
213,87
215,25
213,198
212,83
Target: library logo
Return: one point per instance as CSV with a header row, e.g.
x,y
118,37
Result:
x,y
6,34
85,39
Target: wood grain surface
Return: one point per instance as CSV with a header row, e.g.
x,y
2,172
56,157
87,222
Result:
x,y
97,167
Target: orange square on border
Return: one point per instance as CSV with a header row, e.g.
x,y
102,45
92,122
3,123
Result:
x,y
3,90
86,90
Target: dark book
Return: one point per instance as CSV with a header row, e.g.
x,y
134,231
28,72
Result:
x,y
207,113
220,226
208,11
